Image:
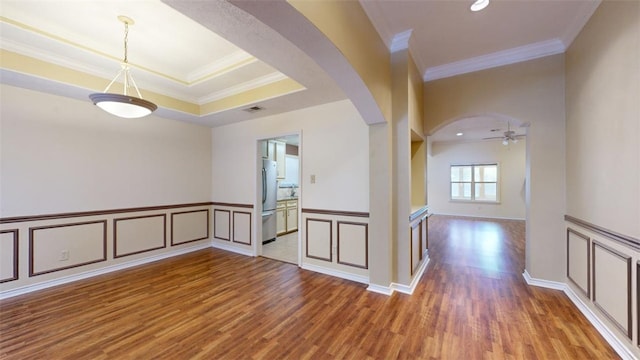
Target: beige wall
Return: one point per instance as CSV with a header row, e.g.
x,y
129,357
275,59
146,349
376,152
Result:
x,y
511,160
334,148
531,91
416,98
418,147
65,155
347,26
603,119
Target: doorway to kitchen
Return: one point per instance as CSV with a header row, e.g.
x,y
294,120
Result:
x,y
280,175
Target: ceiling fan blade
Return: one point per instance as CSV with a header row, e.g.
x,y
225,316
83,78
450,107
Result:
x,y
493,138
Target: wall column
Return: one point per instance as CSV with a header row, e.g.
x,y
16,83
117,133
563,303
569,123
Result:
x,y
381,228
401,164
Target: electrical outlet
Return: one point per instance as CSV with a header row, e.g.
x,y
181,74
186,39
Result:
x,y
64,255
313,179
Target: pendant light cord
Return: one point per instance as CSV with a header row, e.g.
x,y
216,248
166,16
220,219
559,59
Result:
x,y
126,37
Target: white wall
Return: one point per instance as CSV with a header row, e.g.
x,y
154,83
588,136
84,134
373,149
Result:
x,y
334,147
64,155
511,160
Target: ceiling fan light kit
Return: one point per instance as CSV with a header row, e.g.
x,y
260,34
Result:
x,y
508,136
124,105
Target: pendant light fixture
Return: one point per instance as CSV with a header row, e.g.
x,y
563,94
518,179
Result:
x,y
124,105
479,5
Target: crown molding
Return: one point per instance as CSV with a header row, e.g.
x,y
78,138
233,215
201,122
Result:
x,y
400,41
579,21
36,53
245,86
500,58
228,63
376,16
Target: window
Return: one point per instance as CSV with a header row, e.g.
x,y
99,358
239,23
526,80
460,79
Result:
x,y
478,182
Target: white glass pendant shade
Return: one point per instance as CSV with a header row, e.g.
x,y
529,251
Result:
x,y
123,106
479,5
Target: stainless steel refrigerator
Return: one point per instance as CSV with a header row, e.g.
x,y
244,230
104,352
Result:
x,y
269,198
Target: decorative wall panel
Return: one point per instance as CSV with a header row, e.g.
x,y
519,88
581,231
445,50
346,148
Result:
x,y
353,244
64,246
319,239
415,246
425,235
579,260
222,224
242,227
188,226
8,255
612,285
134,235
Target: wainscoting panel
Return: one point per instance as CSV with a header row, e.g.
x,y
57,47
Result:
x,y
44,250
188,226
353,244
134,235
425,235
612,285
242,227
8,255
579,260
64,246
319,239
336,242
415,245
222,224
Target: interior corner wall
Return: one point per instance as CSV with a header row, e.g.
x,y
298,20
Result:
x,y
531,91
511,160
603,119
416,96
61,155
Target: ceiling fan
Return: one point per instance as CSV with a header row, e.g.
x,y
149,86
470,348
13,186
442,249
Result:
x,y
509,136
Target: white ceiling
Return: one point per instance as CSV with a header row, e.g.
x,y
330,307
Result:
x,y
446,38
486,127
208,51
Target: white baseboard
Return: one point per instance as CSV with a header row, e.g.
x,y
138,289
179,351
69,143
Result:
x,y
405,289
409,289
336,273
91,273
543,283
228,247
384,290
617,345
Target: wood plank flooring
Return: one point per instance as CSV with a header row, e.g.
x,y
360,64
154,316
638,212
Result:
x,y
472,303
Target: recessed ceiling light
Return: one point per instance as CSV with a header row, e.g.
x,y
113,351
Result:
x,y
479,5
459,134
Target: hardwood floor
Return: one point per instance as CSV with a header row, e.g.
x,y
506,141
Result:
x,y
472,303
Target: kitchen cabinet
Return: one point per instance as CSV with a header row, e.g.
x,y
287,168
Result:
x,y
276,151
287,216
292,215
281,217
280,160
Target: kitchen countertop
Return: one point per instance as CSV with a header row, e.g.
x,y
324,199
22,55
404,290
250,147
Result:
x,y
288,198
